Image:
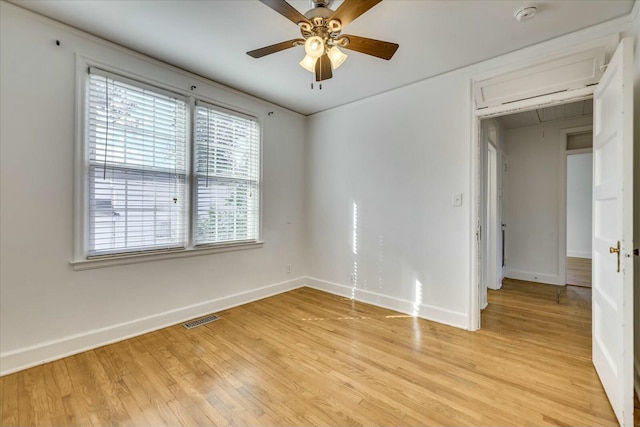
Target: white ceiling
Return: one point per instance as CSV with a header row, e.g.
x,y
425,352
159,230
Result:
x,y
548,114
210,38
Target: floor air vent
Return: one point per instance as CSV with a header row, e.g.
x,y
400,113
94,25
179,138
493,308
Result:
x,y
202,321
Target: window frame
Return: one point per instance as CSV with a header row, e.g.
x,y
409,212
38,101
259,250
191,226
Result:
x,y
81,259
194,175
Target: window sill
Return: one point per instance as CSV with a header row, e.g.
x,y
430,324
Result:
x,y
89,264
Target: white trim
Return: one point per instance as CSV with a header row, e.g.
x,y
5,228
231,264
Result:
x,y
579,151
549,279
124,259
537,102
84,66
80,161
475,194
424,311
562,197
578,129
23,358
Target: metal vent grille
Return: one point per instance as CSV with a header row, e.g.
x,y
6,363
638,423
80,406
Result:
x,y
202,321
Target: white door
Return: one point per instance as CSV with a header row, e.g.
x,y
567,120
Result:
x,y
612,231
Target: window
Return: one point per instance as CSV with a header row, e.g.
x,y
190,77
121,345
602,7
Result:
x,y
145,193
226,176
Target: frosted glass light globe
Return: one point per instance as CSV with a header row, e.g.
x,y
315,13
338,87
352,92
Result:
x,y
314,47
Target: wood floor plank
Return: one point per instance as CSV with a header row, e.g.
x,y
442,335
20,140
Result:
x,y
26,411
54,389
579,271
310,358
9,403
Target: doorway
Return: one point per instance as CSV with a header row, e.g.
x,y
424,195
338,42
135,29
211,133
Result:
x,y
579,184
524,211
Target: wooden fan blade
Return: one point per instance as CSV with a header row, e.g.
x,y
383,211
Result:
x,y
323,68
384,50
286,10
349,10
268,50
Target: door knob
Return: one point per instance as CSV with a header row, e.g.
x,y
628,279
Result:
x,y
616,250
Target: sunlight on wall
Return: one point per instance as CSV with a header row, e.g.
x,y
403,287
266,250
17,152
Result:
x,y
380,259
355,228
354,279
417,299
354,273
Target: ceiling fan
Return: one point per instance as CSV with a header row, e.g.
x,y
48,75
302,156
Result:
x,y
321,31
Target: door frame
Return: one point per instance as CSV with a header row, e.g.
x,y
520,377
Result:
x,y
611,41
562,212
476,177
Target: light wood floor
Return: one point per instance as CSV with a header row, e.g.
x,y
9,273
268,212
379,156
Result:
x,y
579,271
310,358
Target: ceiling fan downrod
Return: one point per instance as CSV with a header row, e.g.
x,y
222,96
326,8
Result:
x,y
320,3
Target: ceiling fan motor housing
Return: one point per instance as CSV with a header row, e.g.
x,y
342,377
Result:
x,y
320,3
320,25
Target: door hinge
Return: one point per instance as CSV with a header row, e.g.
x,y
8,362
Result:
x,y
635,252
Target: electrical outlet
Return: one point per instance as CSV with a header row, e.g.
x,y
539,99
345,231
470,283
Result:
x,y
288,268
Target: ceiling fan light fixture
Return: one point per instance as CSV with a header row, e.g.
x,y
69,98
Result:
x,y
337,57
321,29
309,63
314,47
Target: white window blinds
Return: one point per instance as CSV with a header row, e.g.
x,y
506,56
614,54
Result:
x,y
227,173
137,177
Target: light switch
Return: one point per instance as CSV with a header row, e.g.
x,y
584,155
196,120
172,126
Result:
x,y
457,199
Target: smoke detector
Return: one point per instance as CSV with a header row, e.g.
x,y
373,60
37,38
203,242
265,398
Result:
x,y
525,13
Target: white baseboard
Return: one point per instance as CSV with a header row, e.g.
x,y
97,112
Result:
x,y
425,311
577,254
23,358
549,279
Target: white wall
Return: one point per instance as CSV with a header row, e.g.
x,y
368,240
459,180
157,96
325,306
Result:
x,y
533,200
401,166
401,156
579,183
46,308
